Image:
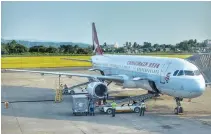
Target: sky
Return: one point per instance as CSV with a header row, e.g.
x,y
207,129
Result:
x,y
155,22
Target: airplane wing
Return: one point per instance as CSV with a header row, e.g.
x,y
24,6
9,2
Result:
x,y
112,78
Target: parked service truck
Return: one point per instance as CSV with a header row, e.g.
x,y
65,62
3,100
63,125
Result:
x,y
80,104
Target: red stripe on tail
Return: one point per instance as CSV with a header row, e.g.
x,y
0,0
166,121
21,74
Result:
x,y
96,45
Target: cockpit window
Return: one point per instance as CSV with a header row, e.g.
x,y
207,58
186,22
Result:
x,y
197,72
189,73
186,72
181,72
175,73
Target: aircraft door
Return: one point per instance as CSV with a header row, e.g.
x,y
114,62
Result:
x,y
164,72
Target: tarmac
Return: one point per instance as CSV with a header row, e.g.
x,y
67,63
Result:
x,y
44,116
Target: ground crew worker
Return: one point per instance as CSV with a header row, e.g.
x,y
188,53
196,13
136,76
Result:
x,y
92,108
107,95
104,100
143,108
65,86
113,104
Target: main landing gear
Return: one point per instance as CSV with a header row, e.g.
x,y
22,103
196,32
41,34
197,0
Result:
x,y
178,109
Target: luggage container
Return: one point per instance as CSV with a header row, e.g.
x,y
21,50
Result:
x,y
80,104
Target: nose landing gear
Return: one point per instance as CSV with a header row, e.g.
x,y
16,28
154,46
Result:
x,y
179,108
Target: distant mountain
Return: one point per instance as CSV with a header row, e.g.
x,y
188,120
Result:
x,y
46,43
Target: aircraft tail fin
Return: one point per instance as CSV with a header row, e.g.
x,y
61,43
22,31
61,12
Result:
x,y
96,46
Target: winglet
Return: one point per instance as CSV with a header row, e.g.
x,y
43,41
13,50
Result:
x,y
96,45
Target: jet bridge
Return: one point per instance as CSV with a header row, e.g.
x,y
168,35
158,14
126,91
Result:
x,y
203,62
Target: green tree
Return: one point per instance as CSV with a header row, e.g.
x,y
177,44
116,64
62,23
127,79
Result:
x,y
130,44
104,44
88,50
51,49
39,49
42,49
127,46
11,47
156,46
147,45
14,48
202,44
81,51
135,47
119,50
3,49
66,49
20,48
76,48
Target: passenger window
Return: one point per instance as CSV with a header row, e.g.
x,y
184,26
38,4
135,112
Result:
x,y
197,72
181,72
175,73
189,73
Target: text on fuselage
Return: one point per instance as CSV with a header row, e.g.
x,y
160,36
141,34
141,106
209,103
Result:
x,y
143,64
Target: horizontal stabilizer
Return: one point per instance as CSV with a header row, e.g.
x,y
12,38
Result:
x,y
76,59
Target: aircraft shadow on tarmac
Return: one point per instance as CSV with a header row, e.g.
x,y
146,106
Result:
x,y
63,111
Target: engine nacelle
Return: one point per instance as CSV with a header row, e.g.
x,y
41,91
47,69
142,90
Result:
x,y
97,89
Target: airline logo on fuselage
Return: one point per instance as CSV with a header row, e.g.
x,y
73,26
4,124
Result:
x,y
167,78
144,64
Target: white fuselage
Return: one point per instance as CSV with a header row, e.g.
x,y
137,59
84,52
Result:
x,y
158,72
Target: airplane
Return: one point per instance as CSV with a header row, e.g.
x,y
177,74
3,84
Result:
x,y
159,75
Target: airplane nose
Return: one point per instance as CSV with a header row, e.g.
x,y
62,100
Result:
x,y
202,84
199,86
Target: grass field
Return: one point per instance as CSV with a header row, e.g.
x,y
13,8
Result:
x,y
52,61
42,62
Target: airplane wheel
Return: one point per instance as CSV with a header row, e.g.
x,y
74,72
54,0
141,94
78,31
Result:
x,y
72,92
180,110
176,111
65,92
109,111
137,110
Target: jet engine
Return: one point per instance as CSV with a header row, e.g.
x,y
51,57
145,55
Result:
x,y
97,89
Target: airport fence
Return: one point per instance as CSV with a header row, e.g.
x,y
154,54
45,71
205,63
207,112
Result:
x,y
203,62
